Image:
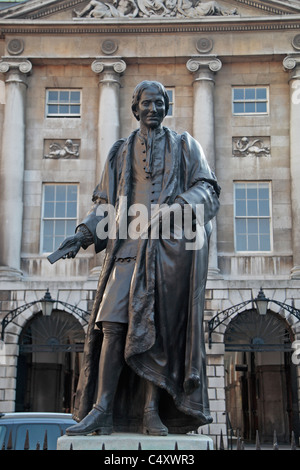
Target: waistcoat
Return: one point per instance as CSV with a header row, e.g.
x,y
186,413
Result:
x,y
147,177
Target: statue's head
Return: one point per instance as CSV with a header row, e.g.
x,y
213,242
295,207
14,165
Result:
x,y
150,94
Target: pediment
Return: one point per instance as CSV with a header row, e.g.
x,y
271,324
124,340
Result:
x,y
131,10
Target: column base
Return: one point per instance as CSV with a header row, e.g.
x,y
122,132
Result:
x,y
295,272
131,441
10,274
214,273
95,272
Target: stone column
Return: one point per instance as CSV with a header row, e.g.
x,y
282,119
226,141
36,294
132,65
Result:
x,y
204,69
12,164
109,70
292,65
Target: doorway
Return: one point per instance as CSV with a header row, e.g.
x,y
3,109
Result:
x,y
260,378
50,352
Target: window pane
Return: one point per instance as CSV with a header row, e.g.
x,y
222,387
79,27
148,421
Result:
x,y
241,243
49,192
261,93
252,243
238,93
49,209
252,226
63,109
48,228
263,191
261,107
75,97
264,226
70,228
240,225
252,191
60,192
59,227
71,209
252,208
72,193
52,95
64,96
249,107
250,93
75,109
240,191
52,109
265,244
238,108
264,207
60,209
240,208
48,244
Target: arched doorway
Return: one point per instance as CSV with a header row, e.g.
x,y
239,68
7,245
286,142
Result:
x,y
260,378
50,349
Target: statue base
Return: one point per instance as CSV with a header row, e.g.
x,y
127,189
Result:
x,y
130,441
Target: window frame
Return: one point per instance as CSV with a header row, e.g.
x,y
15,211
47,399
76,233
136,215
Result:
x,y
256,217
171,102
255,100
60,103
43,218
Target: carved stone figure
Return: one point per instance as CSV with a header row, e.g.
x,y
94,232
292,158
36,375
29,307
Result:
x,y
145,342
200,8
98,9
68,150
244,147
148,8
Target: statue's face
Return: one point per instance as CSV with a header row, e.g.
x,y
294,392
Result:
x,y
151,108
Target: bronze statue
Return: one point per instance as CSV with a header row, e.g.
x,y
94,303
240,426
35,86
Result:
x,y
145,341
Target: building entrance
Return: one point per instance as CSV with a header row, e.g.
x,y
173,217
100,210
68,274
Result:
x,y
50,350
260,378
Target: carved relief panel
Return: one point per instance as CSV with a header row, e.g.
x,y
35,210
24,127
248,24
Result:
x,y
61,148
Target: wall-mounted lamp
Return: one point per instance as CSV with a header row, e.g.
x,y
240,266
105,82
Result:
x,y
261,302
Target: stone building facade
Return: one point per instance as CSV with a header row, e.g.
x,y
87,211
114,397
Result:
x,y
67,72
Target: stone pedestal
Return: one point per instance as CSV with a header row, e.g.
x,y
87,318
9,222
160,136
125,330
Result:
x,y
131,442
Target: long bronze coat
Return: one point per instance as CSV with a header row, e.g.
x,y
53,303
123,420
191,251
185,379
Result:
x,y
165,339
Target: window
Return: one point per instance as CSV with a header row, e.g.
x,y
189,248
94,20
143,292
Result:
x,y
250,100
252,217
171,95
63,103
59,214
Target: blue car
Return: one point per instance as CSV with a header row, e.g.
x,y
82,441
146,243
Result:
x,y
32,431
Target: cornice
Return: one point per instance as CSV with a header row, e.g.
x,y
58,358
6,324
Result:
x,y
149,26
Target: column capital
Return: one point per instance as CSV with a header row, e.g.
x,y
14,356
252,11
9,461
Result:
x,y
291,64
291,61
112,67
15,64
204,63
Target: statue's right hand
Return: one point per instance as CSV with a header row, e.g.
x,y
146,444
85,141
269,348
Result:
x,y
73,243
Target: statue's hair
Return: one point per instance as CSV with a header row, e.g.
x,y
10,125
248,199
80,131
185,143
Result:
x,y
139,90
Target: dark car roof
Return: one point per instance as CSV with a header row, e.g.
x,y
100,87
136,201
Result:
x,y
35,415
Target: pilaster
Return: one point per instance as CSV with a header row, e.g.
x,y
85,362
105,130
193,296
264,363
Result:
x,y
291,64
109,70
12,164
204,69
